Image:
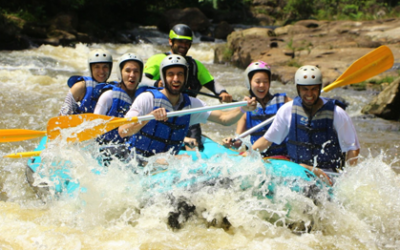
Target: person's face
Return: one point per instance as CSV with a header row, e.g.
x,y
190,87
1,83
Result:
x,y
100,71
130,74
175,80
180,46
309,94
260,84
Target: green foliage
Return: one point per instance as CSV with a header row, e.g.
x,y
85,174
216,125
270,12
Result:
x,y
300,9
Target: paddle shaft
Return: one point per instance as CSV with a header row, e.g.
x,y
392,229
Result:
x,y
56,124
205,94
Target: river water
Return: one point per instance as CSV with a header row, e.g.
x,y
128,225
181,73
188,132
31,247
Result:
x,y
364,212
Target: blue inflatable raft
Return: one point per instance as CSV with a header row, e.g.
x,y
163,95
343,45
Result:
x,y
279,172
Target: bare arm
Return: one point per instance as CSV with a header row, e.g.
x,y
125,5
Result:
x,y
352,157
79,90
261,144
133,128
228,118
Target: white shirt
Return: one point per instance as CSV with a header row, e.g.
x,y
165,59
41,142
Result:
x,y
104,103
342,123
144,104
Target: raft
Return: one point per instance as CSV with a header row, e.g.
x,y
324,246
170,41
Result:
x,y
277,172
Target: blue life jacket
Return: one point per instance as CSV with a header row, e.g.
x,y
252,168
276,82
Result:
x,y
93,91
120,106
314,140
253,118
158,136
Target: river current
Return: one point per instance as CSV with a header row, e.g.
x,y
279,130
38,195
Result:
x,y
116,213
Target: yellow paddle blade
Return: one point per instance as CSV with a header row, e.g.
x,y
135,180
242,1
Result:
x,y
11,135
372,64
90,131
23,154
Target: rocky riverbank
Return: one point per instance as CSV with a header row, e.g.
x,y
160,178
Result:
x,y
332,45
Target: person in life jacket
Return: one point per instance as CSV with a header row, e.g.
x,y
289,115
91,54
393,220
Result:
x,y
115,100
165,134
258,82
318,130
85,90
180,40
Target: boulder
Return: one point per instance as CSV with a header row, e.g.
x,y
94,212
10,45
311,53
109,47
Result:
x,y
387,104
222,30
192,17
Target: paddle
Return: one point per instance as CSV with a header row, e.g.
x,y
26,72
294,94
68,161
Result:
x,y
373,63
12,135
107,123
188,91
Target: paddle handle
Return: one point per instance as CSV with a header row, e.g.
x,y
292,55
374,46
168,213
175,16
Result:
x,y
123,121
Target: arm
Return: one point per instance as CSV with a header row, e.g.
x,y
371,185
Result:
x,y
261,144
75,95
347,135
352,157
70,106
217,89
104,104
143,105
228,118
240,128
78,90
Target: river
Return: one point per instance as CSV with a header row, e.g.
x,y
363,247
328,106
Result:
x,y
364,212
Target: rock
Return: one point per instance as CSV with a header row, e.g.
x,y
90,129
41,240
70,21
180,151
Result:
x,y
192,17
387,104
222,30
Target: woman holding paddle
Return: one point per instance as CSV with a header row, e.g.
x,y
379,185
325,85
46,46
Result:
x,y
258,82
85,90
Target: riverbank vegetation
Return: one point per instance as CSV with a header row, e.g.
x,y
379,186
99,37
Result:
x,y
110,13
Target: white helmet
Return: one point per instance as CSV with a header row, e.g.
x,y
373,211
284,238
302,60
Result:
x,y
99,56
308,75
130,57
254,67
173,60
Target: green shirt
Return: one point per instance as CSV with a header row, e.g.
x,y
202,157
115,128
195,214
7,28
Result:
x,y
152,67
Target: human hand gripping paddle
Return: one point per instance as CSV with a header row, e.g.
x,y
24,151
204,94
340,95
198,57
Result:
x,y
104,124
372,64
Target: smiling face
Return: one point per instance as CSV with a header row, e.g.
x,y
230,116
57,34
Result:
x,y
100,71
130,74
260,84
309,94
180,46
175,80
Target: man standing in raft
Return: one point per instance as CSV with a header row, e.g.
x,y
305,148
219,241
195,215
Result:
x,y
180,40
167,134
318,130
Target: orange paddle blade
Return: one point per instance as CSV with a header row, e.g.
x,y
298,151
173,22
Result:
x,y
92,130
372,64
11,135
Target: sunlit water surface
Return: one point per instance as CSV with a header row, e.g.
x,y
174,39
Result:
x,y
117,213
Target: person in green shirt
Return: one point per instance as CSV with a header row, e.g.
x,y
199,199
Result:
x,y
180,40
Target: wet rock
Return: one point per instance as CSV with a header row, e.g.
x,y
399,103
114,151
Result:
x,y
387,104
